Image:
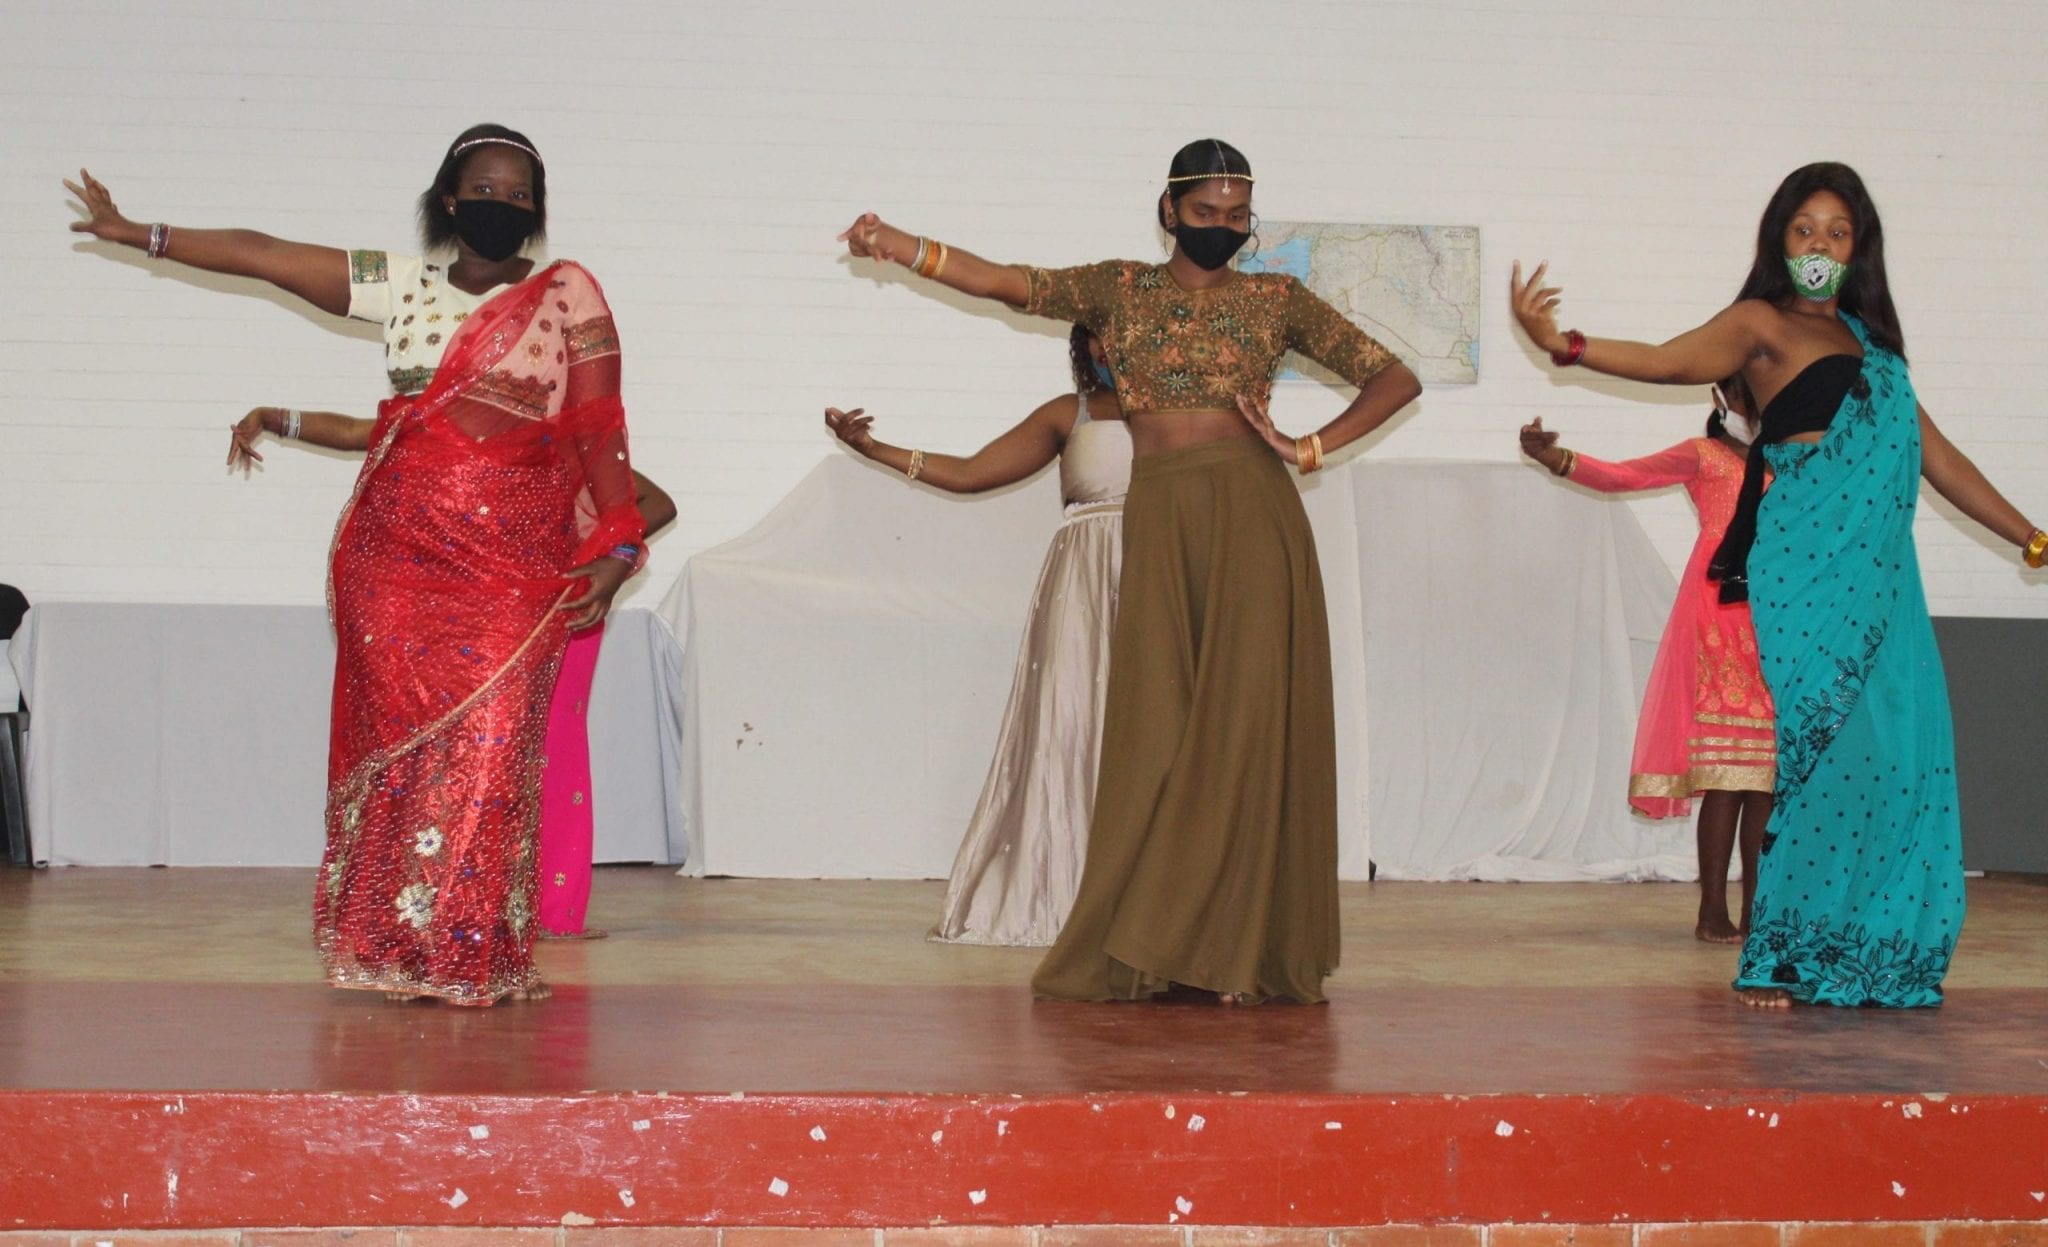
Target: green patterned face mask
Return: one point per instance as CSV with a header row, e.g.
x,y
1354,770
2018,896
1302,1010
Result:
x,y
1817,277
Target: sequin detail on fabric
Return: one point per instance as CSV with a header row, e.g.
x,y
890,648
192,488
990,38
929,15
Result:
x,y
1196,350
445,572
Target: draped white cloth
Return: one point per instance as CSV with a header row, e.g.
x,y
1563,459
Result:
x,y
197,735
845,663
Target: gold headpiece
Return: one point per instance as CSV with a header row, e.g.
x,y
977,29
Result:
x,y
1222,161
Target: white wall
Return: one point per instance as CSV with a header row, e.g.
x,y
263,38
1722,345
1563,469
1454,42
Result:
x,y
702,156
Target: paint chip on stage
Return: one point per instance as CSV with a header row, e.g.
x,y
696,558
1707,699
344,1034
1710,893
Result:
x,y
458,1199
626,1196
1772,1124
977,1198
778,1188
578,1219
1899,1190
1503,1129
1333,1125
938,1136
2039,1196
1002,1128
1183,1204
1910,1108
1195,1123
818,1133
479,1132
1170,1112
642,1124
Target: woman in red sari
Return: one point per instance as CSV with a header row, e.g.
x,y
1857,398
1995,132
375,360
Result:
x,y
457,570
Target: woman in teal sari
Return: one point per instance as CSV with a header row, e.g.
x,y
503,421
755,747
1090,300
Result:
x,y
1860,887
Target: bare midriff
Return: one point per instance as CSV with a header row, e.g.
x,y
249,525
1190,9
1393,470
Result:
x,y
1153,432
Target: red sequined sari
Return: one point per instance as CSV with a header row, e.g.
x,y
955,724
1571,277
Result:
x,y
446,571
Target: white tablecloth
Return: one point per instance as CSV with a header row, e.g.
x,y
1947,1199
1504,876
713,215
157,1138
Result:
x,y
844,666
197,735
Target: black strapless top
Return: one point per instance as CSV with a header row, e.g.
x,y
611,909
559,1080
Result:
x,y
1807,404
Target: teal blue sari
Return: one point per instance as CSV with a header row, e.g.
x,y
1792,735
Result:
x,y
1860,888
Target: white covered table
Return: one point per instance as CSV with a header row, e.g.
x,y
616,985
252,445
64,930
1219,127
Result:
x,y
197,735
844,665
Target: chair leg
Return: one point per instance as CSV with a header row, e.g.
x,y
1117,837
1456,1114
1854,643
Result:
x,y
13,809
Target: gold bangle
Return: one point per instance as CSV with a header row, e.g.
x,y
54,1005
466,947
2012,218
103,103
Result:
x,y
1565,466
1316,440
939,265
916,464
2037,549
927,256
1304,456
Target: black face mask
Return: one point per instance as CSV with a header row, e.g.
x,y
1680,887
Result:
x,y
1209,246
493,228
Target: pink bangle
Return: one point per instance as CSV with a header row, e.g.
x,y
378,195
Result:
x,y
1574,349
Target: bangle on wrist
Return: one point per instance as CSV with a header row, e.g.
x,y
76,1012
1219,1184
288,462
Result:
x,y
2035,552
916,464
1574,349
1567,460
159,241
288,422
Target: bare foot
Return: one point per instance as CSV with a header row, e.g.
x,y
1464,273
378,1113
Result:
x,y
1764,997
587,933
399,998
1714,928
539,991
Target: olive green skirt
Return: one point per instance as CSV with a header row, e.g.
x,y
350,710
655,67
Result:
x,y
1212,856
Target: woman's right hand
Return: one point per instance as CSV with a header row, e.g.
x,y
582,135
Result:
x,y
850,427
103,219
1536,439
1535,307
869,239
243,435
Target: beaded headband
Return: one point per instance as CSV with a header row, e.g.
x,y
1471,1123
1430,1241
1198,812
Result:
x,y
467,144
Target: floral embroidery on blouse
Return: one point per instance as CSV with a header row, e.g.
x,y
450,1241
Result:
x,y
1188,350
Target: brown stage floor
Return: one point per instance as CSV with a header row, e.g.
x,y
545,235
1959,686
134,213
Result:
x,y
198,980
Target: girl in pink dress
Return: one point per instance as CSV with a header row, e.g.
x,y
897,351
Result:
x,y
1707,720
566,818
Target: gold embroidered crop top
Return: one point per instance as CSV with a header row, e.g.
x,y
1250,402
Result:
x,y
1197,350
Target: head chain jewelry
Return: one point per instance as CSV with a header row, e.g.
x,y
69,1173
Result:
x,y
1222,163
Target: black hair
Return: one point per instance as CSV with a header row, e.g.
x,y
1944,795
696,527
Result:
x,y
1083,363
1866,293
437,228
1203,158
1741,401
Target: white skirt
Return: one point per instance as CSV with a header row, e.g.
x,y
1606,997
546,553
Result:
x,y
1015,877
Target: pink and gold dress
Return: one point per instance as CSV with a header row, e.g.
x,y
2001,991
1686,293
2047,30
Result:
x,y
1707,722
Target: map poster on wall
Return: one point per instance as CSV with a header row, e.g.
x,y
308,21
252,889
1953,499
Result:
x,y
1413,287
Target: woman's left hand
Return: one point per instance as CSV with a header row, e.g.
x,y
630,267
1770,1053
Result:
x,y
605,575
1254,412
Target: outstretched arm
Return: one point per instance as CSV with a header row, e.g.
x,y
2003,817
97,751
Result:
x,y
319,428
1957,479
869,238
319,275
1035,442
1699,356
